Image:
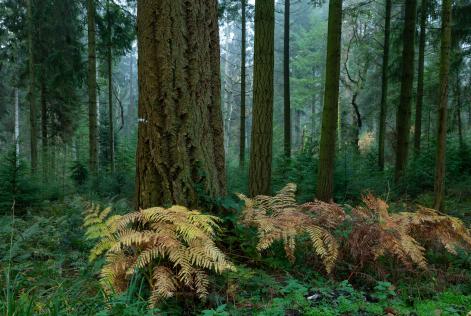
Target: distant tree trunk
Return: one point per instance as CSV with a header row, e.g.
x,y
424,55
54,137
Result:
x,y
131,111
313,116
325,179
420,79
44,130
92,90
286,83
17,124
443,104
458,110
298,137
384,88
180,136
109,59
243,85
32,106
357,122
403,116
262,121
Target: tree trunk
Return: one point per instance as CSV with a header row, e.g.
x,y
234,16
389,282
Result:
x,y
44,130
131,110
286,83
420,79
443,104
403,116
109,60
180,150
17,125
243,86
298,137
92,90
384,85
32,106
459,105
325,180
262,121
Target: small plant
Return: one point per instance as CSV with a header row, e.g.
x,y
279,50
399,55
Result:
x,y
171,247
279,218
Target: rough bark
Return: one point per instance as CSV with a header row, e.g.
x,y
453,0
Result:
x,y
384,86
180,135
403,117
92,87
325,181
443,104
286,83
420,79
32,105
243,86
262,121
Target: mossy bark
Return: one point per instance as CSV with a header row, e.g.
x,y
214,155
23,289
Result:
x,y
262,121
325,179
180,136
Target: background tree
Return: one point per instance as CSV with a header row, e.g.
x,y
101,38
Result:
x,y
262,126
331,96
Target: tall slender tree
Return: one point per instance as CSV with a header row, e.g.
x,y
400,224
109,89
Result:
x,y
243,83
443,104
420,78
109,63
286,83
92,89
384,85
32,86
180,149
403,116
262,121
325,179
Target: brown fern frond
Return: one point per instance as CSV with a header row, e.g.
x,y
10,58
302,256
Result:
x,y
328,215
279,218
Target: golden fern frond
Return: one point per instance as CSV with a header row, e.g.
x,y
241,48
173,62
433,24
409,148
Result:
x,y
201,282
328,215
325,246
164,284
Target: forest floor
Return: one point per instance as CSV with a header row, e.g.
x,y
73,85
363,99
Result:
x,y
46,271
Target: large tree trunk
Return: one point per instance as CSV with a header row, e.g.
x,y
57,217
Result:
x,y
180,136
403,116
32,105
443,104
262,122
384,85
109,59
243,86
286,84
420,79
92,87
325,179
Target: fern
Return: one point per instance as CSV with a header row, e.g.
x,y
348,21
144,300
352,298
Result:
x,y
176,245
280,218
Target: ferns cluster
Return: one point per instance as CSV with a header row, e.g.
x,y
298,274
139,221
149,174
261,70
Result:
x,y
172,247
403,235
372,231
279,218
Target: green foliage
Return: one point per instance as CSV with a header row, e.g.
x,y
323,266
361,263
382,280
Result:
x,y
17,187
